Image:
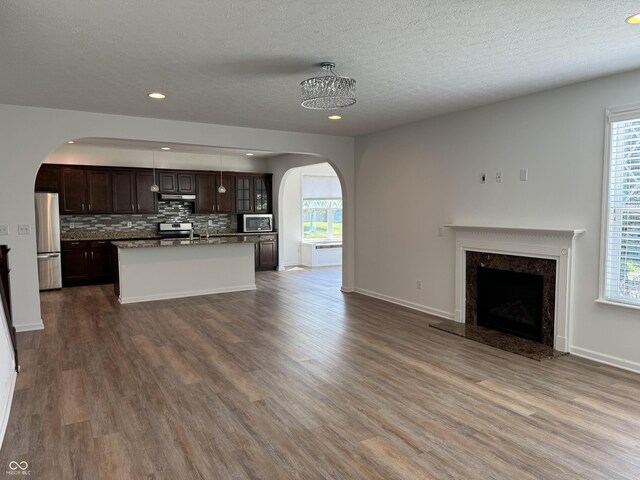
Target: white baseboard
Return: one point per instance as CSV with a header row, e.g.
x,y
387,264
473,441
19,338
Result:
x,y
194,293
7,407
29,327
606,359
413,306
347,289
292,264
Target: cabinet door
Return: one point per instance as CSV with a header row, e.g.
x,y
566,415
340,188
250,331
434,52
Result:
x,y
75,266
48,179
226,201
123,192
147,201
100,260
73,191
244,195
268,254
167,182
186,182
261,194
206,193
99,191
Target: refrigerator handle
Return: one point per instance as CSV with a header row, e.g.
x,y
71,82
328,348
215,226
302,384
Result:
x,y
48,255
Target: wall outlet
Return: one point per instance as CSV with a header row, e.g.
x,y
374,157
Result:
x,y
72,225
129,224
24,229
483,178
419,284
524,175
498,177
4,229
210,223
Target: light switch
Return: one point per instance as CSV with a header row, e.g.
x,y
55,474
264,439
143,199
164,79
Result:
x,y
4,229
24,229
524,175
498,177
483,178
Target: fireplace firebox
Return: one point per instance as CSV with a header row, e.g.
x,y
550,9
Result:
x,y
510,302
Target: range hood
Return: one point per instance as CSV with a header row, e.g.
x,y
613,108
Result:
x,y
177,197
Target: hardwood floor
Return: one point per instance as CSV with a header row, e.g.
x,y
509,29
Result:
x,y
299,381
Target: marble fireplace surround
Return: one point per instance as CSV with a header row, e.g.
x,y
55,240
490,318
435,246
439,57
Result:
x,y
551,243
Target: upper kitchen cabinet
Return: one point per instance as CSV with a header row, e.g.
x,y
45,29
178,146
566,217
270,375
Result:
x,y
146,200
177,182
48,179
262,194
244,194
73,191
205,193
225,201
124,193
98,191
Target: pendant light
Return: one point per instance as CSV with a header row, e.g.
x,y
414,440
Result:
x,y
221,188
154,188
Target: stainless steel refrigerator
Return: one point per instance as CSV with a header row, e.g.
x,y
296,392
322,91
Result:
x,y
48,240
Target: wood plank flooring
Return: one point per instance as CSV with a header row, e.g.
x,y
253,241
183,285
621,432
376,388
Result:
x,y
297,380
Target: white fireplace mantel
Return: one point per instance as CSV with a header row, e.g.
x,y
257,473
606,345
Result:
x,y
553,243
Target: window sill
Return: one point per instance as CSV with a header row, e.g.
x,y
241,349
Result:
x,y
610,303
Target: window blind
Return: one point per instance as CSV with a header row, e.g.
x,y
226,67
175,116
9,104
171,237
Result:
x,y
317,186
622,260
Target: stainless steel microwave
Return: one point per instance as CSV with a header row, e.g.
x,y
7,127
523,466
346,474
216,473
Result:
x,y
255,222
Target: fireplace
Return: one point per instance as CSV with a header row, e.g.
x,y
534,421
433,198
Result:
x,y
540,251
510,302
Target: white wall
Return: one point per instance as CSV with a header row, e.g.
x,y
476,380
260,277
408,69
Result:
x,y
122,157
412,179
291,210
29,134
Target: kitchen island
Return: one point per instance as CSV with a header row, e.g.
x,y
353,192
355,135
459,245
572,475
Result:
x,y
149,270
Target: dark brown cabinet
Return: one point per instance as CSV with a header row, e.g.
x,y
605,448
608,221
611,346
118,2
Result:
x,y
225,201
48,179
123,191
86,262
244,194
98,191
73,191
177,182
262,194
266,252
146,200
205,193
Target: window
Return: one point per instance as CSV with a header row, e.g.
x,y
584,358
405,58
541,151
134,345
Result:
x,y
321,208
322,219
621,238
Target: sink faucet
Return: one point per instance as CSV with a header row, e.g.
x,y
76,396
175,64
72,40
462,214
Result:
x,y
206,232
191,235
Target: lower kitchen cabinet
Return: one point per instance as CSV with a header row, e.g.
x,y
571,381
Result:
x,y
86,263
266,252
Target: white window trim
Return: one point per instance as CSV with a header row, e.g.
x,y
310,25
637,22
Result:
x,y
302,199
613,114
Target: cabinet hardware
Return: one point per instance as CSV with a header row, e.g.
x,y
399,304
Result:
x,y
85,256
138,206
83,207
89,206
91,255
132,206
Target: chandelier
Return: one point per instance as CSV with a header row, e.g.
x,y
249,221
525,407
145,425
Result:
x,y
328,91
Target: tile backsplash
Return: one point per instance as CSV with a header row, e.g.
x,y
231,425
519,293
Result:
x,y
147,223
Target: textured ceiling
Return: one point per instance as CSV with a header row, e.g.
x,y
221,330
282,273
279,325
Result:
x,y
240,62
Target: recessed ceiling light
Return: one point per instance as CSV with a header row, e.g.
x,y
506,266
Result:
x,y
71,141
165,148
634,19
249,154
156,95
334,117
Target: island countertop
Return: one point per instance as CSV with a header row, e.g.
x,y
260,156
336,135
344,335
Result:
x,y
125,236
182,242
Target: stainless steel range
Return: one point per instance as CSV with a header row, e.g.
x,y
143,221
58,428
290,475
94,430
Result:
x,y
168,230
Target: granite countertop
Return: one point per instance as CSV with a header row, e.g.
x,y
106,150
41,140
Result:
x,y
144,235
178,242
